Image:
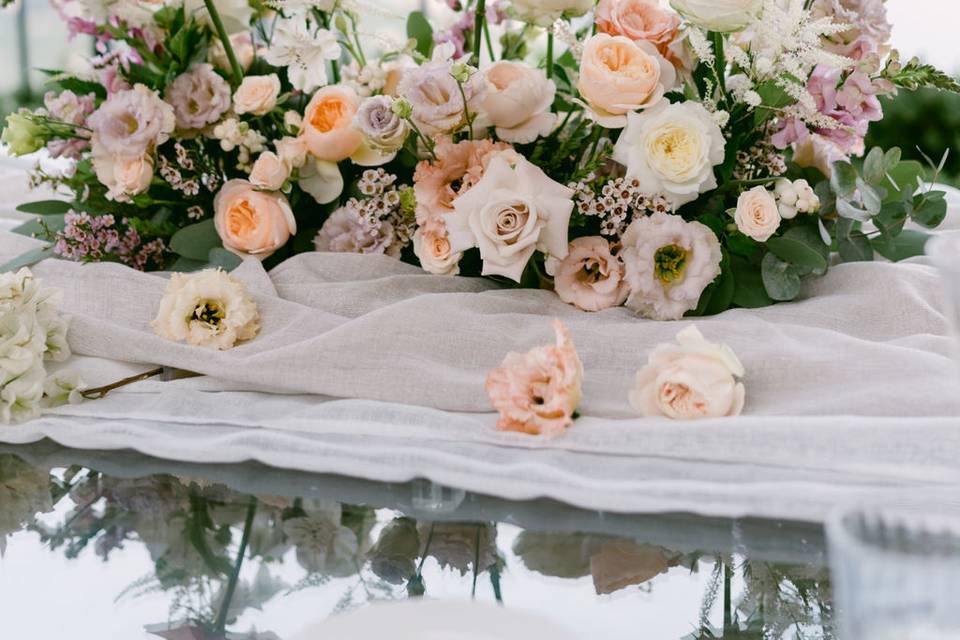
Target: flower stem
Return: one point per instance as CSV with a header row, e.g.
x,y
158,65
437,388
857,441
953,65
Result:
x,y
478,31
550,55
234,576
237,72
100,392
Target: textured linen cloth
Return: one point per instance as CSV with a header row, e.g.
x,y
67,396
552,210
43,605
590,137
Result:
x,y
851,389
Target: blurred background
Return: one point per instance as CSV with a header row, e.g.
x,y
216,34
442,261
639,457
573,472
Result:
x,y
32,37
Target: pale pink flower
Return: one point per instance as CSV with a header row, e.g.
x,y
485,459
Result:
x,y
638,20
538,392
132,122
346,231
199,97
591,278
436,98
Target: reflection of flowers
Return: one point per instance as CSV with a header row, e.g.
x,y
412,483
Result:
x,y
622,563
459,544
24,492
323,544
560,555
394,557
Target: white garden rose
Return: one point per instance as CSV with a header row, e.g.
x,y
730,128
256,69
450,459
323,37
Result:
x,y
757,215
518,101
206,309
513,211
545,12
672,149
689,380
668,262
725,16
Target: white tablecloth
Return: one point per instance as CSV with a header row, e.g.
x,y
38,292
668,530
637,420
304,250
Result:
x,y
852,390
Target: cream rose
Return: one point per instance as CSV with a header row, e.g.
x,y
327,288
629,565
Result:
x,y
725,16
672,149
269,172
293,151
692,379
757,215
328,124
435,254
251,222
123,176
513,211
619,76
518,102
257,94
545,12
638,20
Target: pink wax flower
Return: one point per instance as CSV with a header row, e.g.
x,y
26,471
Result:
x,y
537,392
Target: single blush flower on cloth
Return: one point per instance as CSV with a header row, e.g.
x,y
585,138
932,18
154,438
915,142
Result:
x,y
591,278
513,211
619,76
538,392
250,222
206,309
199,97
692,379
668,263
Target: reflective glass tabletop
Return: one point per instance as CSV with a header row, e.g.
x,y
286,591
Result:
x,y
115,545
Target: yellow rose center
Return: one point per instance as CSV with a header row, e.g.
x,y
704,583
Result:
x,y
674,152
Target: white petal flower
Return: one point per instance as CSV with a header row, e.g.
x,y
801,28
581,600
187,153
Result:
x,y
304,54
207,309
668,262
20,398
64,388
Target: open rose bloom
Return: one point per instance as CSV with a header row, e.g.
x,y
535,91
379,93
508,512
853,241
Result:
x,y
538,392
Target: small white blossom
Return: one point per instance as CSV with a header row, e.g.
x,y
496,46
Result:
x,y
64,388
303,53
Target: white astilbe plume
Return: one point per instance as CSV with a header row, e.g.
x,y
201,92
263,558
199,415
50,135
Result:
x,y
786,38
563,32
701,46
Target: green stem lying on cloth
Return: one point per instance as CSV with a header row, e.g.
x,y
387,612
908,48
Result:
x,y
100,392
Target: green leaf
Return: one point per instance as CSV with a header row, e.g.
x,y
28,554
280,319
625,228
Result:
x,y
28,259
904,178
420,30
45,207
802,247
892,159
34,228
750,292
780,279
849,210
891,218
724,288
855,248
875,166
844,179
908,244
870,197
220,257
196,241
742,245
930,209
186,265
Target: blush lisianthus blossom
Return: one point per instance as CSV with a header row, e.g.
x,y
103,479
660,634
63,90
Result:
x,y
668,263
347,231
591,278
257,95
692,379
868,31
328,124
199,97
619,76
638,20
73,109
250,222
538,392
518,101
131,122
513,211
438,105
546,12
672,149
724,16
757,215
380,125
206,309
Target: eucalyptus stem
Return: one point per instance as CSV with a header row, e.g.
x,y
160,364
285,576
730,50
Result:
x,y
100,392
479,21
234,576
236,71
550,55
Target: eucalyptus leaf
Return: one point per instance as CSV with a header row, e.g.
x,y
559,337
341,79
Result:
x,y
220,257
892,159
930,210
904,178
34,227
196,240
855,248
847,209
802,247
908,244
874,166
780,279
843,179
870,197
28,259
45,207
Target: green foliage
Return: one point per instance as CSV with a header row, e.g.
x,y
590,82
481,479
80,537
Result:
x,y
196,241
45,207
420,30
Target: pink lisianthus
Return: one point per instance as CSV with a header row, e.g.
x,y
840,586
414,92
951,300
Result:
x,y
346,231
538,392
73,109
132,122
591,278
199,97
869,29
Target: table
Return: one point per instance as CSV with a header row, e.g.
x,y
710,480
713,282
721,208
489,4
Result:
x,y
113,544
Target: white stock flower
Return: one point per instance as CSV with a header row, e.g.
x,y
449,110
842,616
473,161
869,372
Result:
x,y
513,211
206,309
725,16
303,53
692,379
668,262
672,149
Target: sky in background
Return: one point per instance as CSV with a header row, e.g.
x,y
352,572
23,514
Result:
x,y
927,28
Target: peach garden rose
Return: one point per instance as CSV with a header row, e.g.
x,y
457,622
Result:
x,y
638,20
518,101
538,392
328,124
250,222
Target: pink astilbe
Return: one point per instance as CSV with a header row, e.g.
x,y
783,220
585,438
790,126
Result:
x,y
538,392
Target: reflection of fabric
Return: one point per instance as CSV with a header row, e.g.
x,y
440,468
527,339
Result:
x,y
622,563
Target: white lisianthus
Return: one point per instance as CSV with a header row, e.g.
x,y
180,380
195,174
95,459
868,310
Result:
x,y
207,309
545,12
757,215
692,379
513,211
672,149
668,262
304,54
724,16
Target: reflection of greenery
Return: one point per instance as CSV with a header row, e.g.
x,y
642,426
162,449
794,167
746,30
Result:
x,y
929,119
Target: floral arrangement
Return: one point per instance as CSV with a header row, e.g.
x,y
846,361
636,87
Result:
x,y
679,160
